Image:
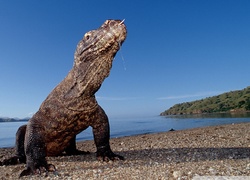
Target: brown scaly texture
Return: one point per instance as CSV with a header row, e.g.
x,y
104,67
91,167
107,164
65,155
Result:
x,y
71,107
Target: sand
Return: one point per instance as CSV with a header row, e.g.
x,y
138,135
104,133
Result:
x,y
210,151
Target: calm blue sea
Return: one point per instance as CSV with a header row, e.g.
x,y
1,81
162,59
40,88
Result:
x,y
133,126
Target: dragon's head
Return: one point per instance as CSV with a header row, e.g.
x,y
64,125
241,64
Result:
x,y
95,53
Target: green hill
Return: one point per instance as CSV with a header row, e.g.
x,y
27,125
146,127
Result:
x,y
233,101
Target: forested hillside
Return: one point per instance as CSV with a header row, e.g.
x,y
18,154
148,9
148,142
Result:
x,y
234,101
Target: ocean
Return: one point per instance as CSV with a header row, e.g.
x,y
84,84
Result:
x,y
120,127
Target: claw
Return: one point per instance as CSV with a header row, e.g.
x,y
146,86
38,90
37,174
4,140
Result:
x,y
26,172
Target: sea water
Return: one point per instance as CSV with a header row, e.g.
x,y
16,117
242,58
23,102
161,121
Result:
x,y
120,127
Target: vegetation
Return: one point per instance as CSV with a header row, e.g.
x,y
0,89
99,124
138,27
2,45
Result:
x,y
234,101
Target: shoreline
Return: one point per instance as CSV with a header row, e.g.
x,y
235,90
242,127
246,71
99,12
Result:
x,y
222,150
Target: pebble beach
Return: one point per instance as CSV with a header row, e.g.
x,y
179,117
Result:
x,y
195,153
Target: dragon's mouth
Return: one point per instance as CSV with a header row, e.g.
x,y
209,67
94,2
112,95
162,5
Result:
x,y
114,29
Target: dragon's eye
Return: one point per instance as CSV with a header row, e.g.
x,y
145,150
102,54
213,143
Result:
x,y
89,34
87,37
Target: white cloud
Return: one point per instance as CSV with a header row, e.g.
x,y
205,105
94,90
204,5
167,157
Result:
x,y
117,98
200,94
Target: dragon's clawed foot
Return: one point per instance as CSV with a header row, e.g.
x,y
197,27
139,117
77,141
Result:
x,y
108,155
39,170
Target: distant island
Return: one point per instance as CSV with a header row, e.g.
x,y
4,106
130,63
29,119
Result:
x,y
233,101
7,119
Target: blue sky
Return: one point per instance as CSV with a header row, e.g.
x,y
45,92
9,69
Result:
x,y
176,51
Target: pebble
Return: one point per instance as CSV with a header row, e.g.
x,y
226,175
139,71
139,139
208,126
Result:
x,y
177,174
177,154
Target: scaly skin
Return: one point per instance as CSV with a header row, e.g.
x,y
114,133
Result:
x,y
71,107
